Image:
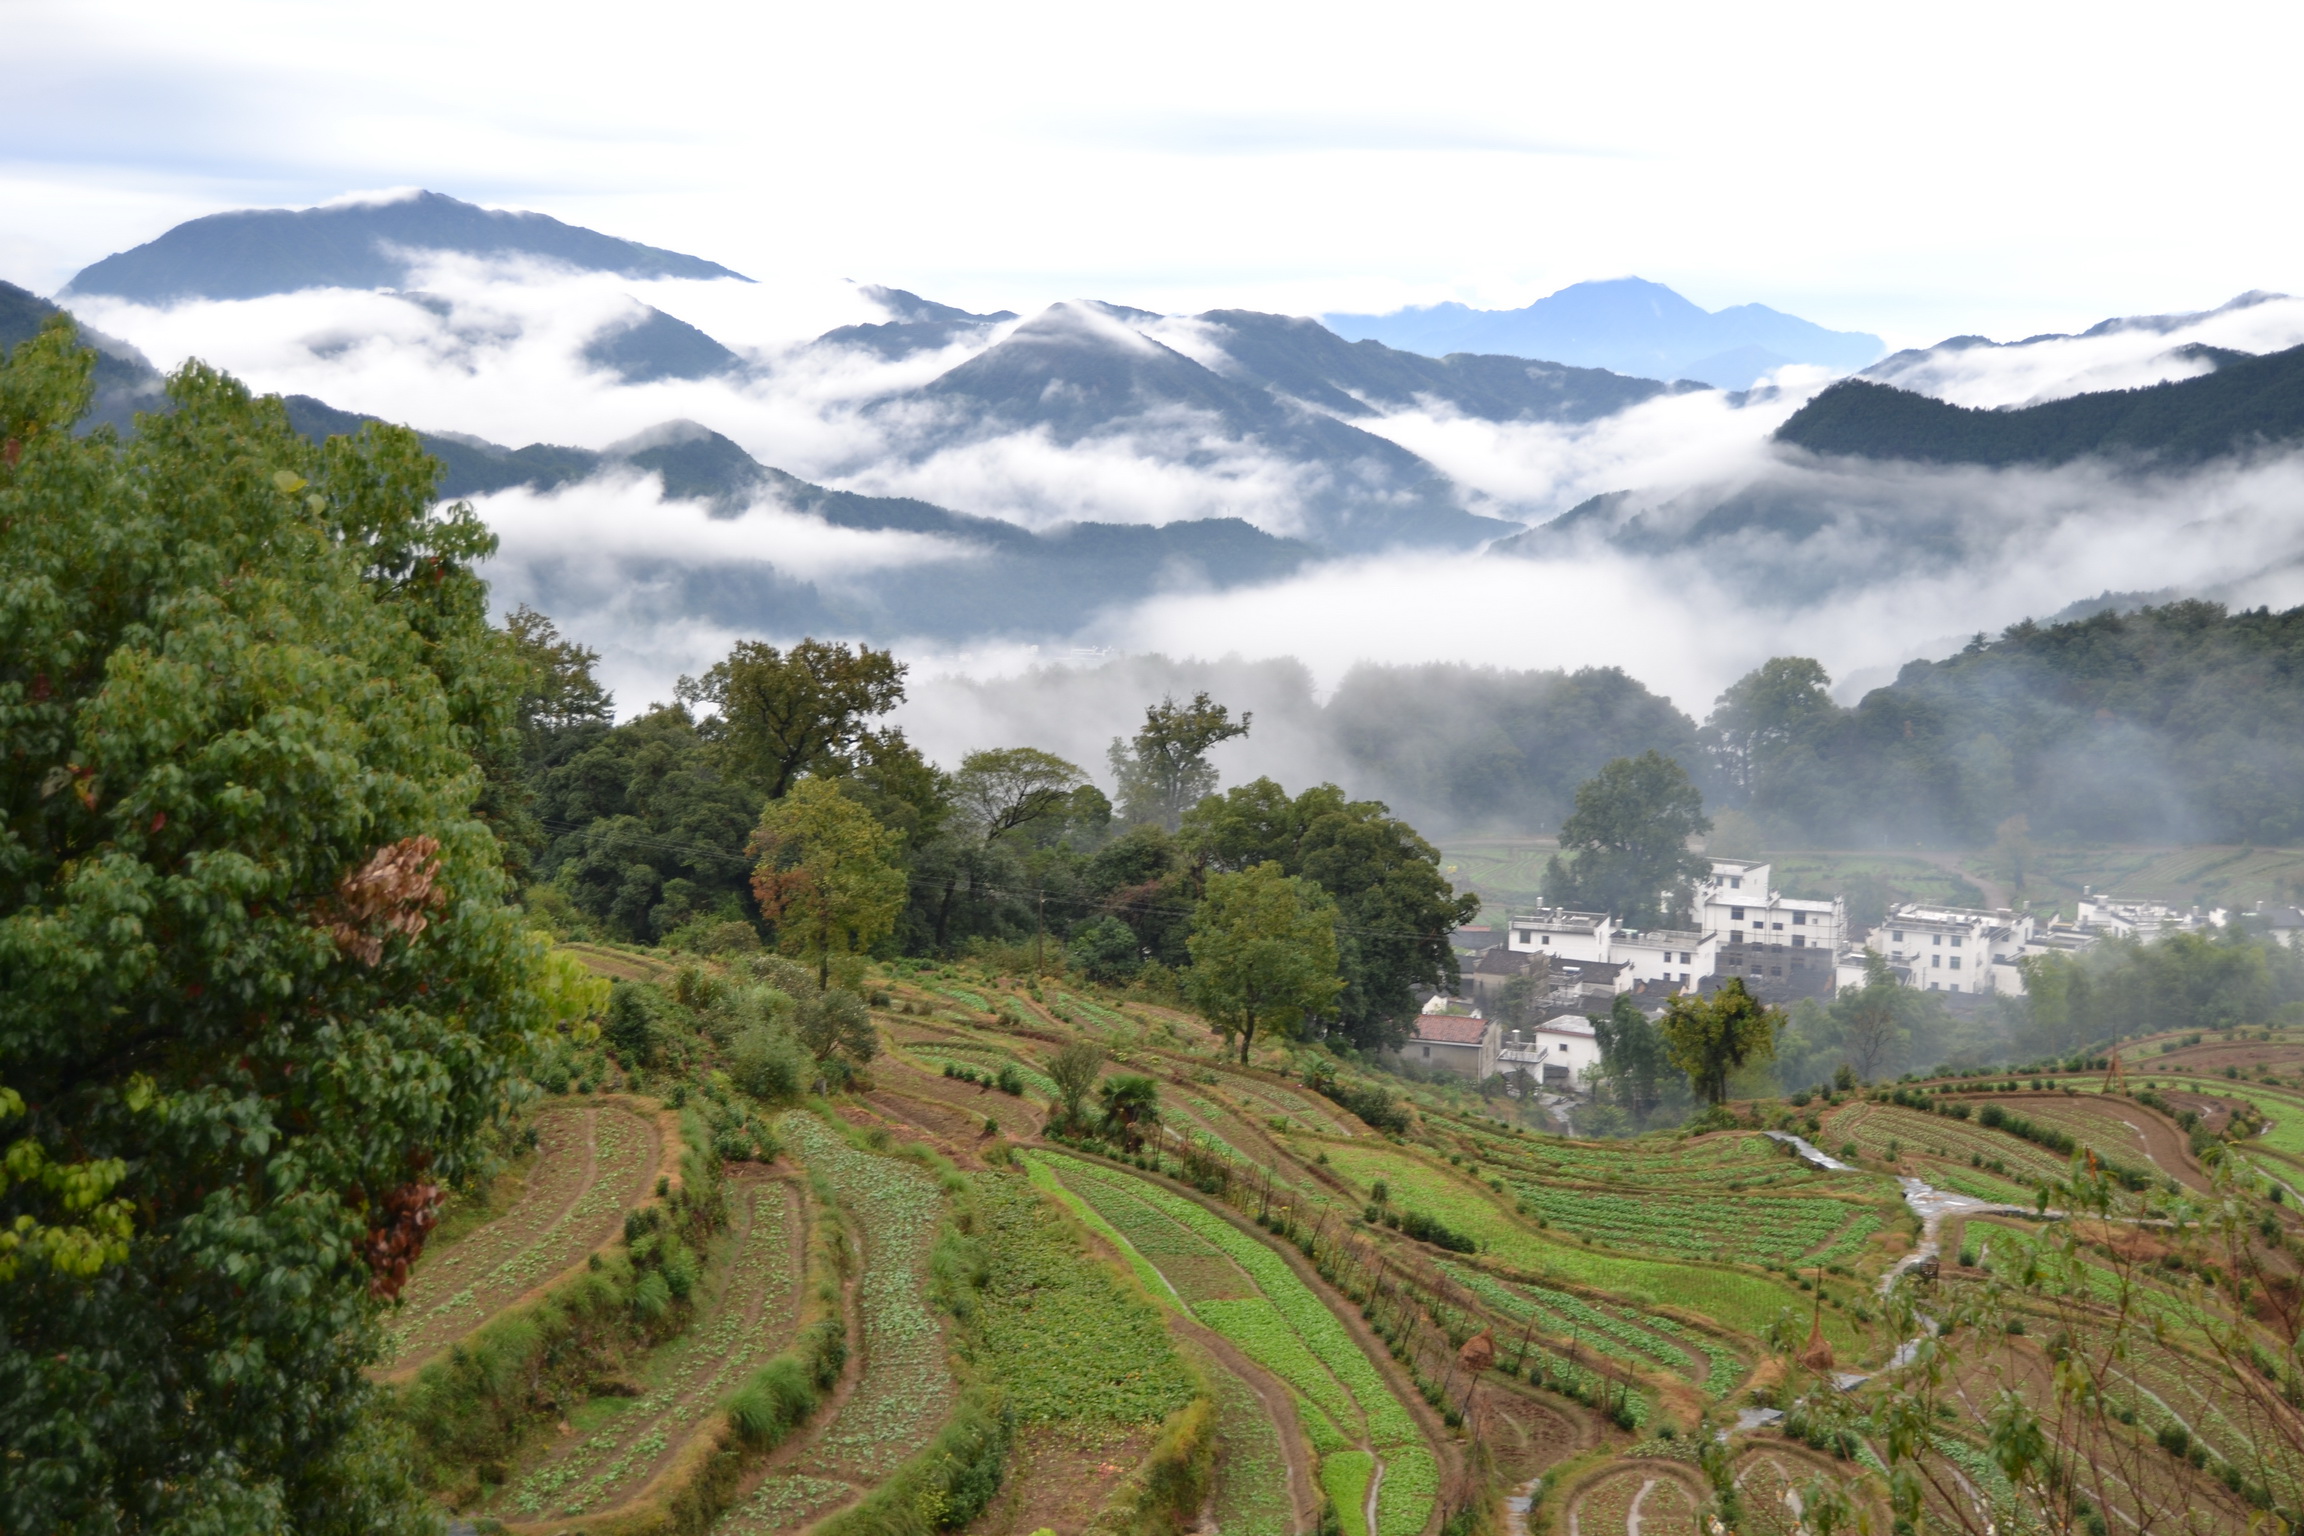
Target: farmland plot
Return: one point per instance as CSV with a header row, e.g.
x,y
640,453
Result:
x,y
1749,1227
1740,1301
745,1315
594,1161
905,1385
1243,1290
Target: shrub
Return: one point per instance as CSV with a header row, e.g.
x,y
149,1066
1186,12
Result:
x,y
767,1063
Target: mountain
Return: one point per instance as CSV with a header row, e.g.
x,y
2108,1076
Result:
x,y
1627,325
653,345
1087,375
257,251
126,382
996,580
914,325
2246,402
1305,361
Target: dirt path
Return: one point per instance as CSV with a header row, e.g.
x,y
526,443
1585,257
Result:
x,y
594,1162
745,1314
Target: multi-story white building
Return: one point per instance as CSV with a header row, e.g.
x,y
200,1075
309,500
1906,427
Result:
x,y
2139,917
1949,949
1769,939
1578,943
1559,1052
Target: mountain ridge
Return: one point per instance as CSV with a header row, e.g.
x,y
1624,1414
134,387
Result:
x,y
252,252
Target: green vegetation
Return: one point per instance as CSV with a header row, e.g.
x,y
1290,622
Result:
x,y
1263,954
1625,850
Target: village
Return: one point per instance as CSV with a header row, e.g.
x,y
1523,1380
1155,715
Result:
x,y
1564,967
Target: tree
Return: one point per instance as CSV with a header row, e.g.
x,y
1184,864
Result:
x,y
1781,707
261,996
1398,913
1873,1019
1711,1038
836,1028
1263,953
1164,770
1633,1056
1626,846
786,713
560,691
1074,1070
1131,1107
824,875
1001,790
1105,950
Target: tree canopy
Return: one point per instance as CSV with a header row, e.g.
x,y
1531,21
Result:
x,y
260,992
1397,912
826,879
1164,770
1712,1038
1625,850
783,713
1263,953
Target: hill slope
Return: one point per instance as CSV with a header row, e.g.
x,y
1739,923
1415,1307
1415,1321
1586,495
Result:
x,y
2247,401
255,251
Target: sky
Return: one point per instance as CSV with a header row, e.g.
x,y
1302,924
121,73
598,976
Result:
x,y
1915,171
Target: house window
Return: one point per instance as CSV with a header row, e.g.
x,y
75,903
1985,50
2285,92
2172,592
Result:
x,y
1685,959
1936,938
1799,919
1955,986
1799,942
1956,941
1735,935
1937,961
1896,935
1955,962
1427,1053
1775,970
1776,925
1547,938
1735,914
1736,883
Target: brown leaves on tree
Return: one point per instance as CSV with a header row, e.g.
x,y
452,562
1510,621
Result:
x,y
398,1225
391,893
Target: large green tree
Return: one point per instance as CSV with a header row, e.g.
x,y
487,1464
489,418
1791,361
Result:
x,y
826,877
1625,849
1397,911
1163,770
784,713
1713,1038
261,996
1635,1060
1263,954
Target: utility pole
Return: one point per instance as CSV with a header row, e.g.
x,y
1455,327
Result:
x,y
1039,930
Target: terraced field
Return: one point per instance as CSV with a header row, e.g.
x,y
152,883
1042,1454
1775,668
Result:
x,y
1236,1285
1622,1333
745,1314
1732,1162
595,1160
904,1385
1251,1497
1956,1154
1738,1300
1636,1499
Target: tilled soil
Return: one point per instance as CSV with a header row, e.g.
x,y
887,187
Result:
x,y
745,1315
593,1163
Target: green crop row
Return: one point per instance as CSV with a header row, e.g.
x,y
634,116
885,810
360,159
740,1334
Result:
x,y
1258,1327
1065,1338
1252,1472
1770,1230
1613,1338
1344,1478
1742,1302
1404,1498
1291,1302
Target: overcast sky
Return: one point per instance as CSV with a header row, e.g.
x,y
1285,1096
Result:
x,y
1915,170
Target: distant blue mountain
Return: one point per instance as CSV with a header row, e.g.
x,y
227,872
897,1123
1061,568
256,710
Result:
x,y
1626,325
256,251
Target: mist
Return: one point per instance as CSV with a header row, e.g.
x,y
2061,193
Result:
x,y
1726,550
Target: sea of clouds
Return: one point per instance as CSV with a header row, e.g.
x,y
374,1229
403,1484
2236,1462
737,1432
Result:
x,y
1914,560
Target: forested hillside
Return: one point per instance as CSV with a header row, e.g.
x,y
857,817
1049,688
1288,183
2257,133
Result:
x,y
2248,402
2183,722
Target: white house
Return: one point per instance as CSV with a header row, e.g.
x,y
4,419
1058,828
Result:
x,y
1562,935
2139,917
1953,949
1666,957
1769,939
1559,1052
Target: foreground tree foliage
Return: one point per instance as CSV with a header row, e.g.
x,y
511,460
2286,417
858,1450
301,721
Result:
x,y
1263,954
1712,1038
260,993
